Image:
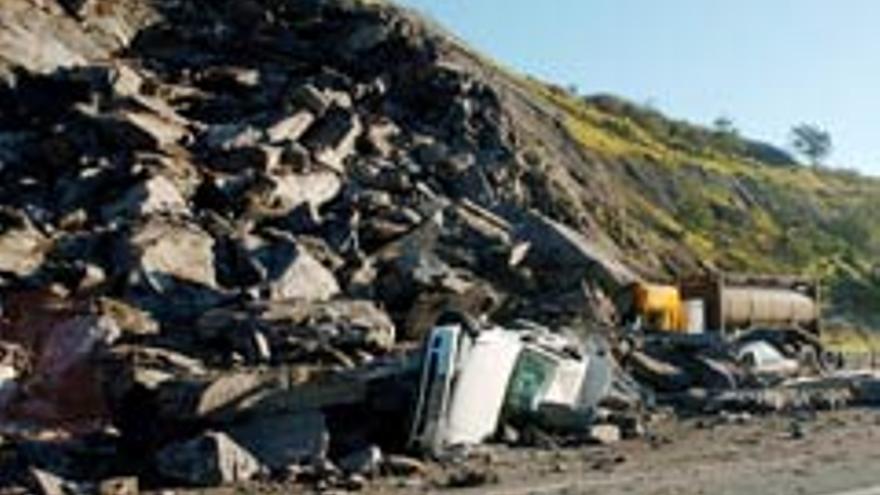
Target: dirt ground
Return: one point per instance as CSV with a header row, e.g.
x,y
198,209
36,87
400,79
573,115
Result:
x,y
826,454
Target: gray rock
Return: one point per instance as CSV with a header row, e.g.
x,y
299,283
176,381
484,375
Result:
x,y
119,486
605,434
357,323
226,137
332,139
143,129
866,391
366,37
125,79
400,465
22,248
170,269
255,157
279,195
230,76
200,398
380,136
660,374
292,272
311,98
290,128
366,461
154,195
566,257
212,459
283,440
168,251
46,483
297,157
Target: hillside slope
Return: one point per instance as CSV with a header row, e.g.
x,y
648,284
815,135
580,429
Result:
x,y
303,149
677,198
692,198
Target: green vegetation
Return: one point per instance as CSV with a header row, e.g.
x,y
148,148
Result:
x,y
812,142
728,201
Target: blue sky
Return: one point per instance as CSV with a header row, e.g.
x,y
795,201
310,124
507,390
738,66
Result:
x,y
767,64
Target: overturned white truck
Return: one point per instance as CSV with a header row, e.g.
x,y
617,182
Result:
x,y
473,380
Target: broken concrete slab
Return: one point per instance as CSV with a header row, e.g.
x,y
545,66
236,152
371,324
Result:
x,y
212,459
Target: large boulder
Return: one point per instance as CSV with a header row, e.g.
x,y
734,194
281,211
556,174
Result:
x,y
284,440
565,257
212,459
169,265
291,271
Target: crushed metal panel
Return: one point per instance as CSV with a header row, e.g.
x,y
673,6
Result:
x,y
480,387
438,367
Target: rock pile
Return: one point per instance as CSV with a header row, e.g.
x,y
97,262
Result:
x,y
225,219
